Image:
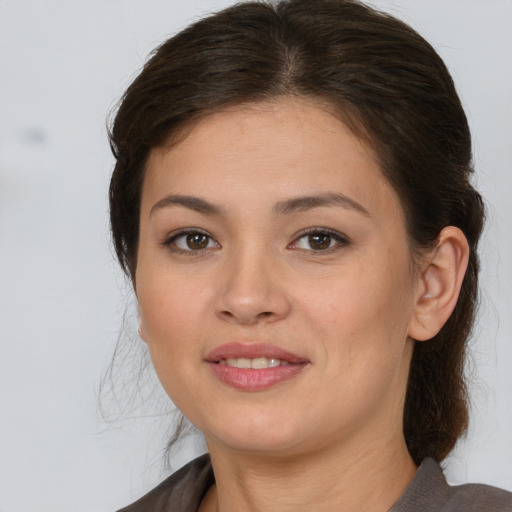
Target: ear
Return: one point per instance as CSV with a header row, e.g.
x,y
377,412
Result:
x,y
440,282
142,335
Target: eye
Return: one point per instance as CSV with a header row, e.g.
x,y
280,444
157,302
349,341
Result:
x,y
319,240
191,241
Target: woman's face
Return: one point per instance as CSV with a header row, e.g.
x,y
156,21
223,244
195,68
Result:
x,y
274,281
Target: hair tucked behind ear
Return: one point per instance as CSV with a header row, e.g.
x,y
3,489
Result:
x,y
387,84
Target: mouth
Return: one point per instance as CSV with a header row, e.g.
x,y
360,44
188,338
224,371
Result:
x,y
255,367
257,363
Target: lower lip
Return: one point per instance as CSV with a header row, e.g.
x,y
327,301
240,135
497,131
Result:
x,y
254,380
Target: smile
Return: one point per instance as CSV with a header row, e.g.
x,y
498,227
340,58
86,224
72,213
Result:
x,y
258,363
257,367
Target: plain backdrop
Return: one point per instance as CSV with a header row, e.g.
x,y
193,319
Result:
x,y
63,66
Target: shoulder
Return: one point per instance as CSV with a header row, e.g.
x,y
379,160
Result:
x,y
479,498
183,491
429,492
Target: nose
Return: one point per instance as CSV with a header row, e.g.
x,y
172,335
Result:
x,y
251,291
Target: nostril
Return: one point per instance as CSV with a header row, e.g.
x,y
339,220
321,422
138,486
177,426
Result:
x,y
247,317
249,304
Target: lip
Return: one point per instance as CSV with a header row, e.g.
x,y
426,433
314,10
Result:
x,y
251,379
252,351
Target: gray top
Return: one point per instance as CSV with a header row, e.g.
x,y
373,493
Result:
x,y
428,492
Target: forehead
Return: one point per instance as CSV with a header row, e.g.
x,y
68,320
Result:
x,y
281,148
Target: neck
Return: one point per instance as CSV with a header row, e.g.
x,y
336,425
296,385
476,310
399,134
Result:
x,y
318,481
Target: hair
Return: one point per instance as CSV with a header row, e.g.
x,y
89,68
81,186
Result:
x,y
387,84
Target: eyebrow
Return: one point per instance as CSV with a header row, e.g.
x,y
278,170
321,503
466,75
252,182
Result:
x,y
191,202
304,203
296,204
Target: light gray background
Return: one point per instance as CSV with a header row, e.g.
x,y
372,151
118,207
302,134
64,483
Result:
x,y
63,65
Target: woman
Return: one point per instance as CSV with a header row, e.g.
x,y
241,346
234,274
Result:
x,y
291,201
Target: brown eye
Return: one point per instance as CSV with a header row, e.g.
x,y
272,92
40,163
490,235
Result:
x,y
191,241
319,241
197,241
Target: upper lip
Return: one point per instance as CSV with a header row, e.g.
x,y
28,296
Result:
x,y
252,351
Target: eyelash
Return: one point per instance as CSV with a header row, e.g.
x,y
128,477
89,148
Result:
x,y
170,242
339,239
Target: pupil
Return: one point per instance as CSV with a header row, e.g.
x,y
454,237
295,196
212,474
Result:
x,y
197,241
319,241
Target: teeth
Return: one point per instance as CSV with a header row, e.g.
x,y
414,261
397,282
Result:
x,y
257,363
242,362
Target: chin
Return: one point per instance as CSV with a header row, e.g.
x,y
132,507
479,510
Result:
x,y
267,445
264,434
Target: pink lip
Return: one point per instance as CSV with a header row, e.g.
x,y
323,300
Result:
x,y
251,351
251,379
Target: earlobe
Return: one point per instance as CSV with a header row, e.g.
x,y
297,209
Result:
x,y
141,330
441,281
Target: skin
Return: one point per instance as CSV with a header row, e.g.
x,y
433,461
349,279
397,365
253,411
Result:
x,y
320,440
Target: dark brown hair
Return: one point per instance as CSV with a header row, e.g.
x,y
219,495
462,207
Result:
x,y
387,84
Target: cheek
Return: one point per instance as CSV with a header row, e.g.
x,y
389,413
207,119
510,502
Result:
x,y
168,323
363,314
361,328
169,303
169,313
